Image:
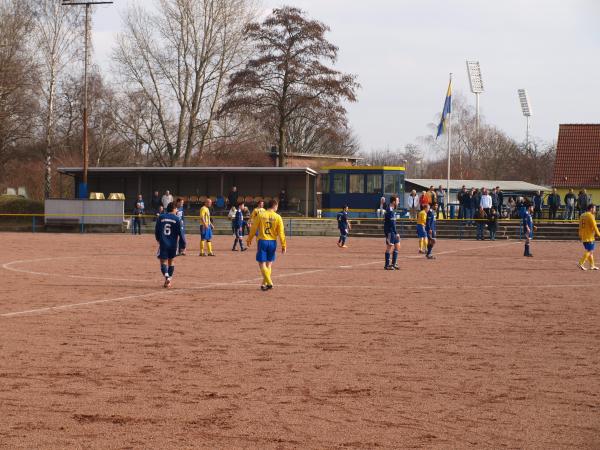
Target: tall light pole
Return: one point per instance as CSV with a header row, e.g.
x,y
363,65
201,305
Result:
x,y
526,110
88,27
474,71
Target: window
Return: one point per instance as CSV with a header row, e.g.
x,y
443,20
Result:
x,y
390,183
325,184
339,183
357,184
374,184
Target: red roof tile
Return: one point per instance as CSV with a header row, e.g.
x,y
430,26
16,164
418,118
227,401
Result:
x,y
577,162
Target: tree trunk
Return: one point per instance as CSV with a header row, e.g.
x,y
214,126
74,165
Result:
x,y
48,152
282,144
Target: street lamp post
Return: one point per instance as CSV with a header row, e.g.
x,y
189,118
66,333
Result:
x,y
474,71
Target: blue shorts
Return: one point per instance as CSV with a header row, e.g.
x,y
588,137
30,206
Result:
x,y
392,239
266,251
589,246
206,233
166,253
421,233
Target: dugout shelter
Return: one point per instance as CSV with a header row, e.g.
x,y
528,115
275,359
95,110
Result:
x,y
360,187
195,184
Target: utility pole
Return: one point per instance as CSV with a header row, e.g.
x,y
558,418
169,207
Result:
x,y
88,26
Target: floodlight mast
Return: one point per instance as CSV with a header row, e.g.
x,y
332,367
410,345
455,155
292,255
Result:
x,y
526,110
474,72
88,26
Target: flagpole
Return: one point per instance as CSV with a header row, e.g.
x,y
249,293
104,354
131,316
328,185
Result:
x,y
449,139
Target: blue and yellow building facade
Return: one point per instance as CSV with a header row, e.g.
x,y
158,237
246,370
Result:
x,y
359,187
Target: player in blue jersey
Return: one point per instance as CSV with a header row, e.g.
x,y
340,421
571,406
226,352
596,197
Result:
x,y
528,229
238,228
392,238
430,229
170,236
179,204
344,226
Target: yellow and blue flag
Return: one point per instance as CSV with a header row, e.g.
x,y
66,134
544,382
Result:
x,y
447,110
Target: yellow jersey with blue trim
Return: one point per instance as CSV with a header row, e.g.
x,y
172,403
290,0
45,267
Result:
x,y
204,216
588,229
269,226
422,217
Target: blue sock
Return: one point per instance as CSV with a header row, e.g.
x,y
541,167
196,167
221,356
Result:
x,y
395,257
235,241
429,247
343,240
241,244
163,269
171,270
387,259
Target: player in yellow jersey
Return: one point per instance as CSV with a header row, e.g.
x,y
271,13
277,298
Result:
x,y
269,226
421,232
206,229
260,208
588,230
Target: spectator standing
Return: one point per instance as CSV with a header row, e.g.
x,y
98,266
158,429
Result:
x,y
432,196
246,227
493,223
474,201
553,204
500,200
463,202
166,199
520,206
441,202
140,201
482,218
238,227
494,195
155,202
538,201
424,199
582,201
486,201
570,205
137,219
283,203
232,197
413,204
511,206
231,216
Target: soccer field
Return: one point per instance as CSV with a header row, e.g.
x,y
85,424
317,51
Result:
x,y
478,348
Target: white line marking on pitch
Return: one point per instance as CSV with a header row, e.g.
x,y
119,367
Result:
x,y
184,290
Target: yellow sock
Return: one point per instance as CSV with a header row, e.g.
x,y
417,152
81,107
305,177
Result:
x,y
265,274
209,245
591,260
201,247
584,259
269,281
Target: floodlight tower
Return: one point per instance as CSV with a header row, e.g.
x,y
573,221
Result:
x,y
474,71
526,109
88,27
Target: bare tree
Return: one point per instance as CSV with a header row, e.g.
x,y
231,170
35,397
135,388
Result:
x,y
17,78
287,78
178,59
55,32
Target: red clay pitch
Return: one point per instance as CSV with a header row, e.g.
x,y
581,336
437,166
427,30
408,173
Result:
x,y
478,348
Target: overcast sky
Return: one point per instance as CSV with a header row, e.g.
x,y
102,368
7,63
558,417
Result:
x,y
403,50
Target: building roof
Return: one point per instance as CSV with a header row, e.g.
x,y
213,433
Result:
x,y
577,163
178,170
394,168
456,185
320,156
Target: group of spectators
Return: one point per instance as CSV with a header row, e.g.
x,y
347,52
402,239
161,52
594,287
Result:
x,y
159,204
431,197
